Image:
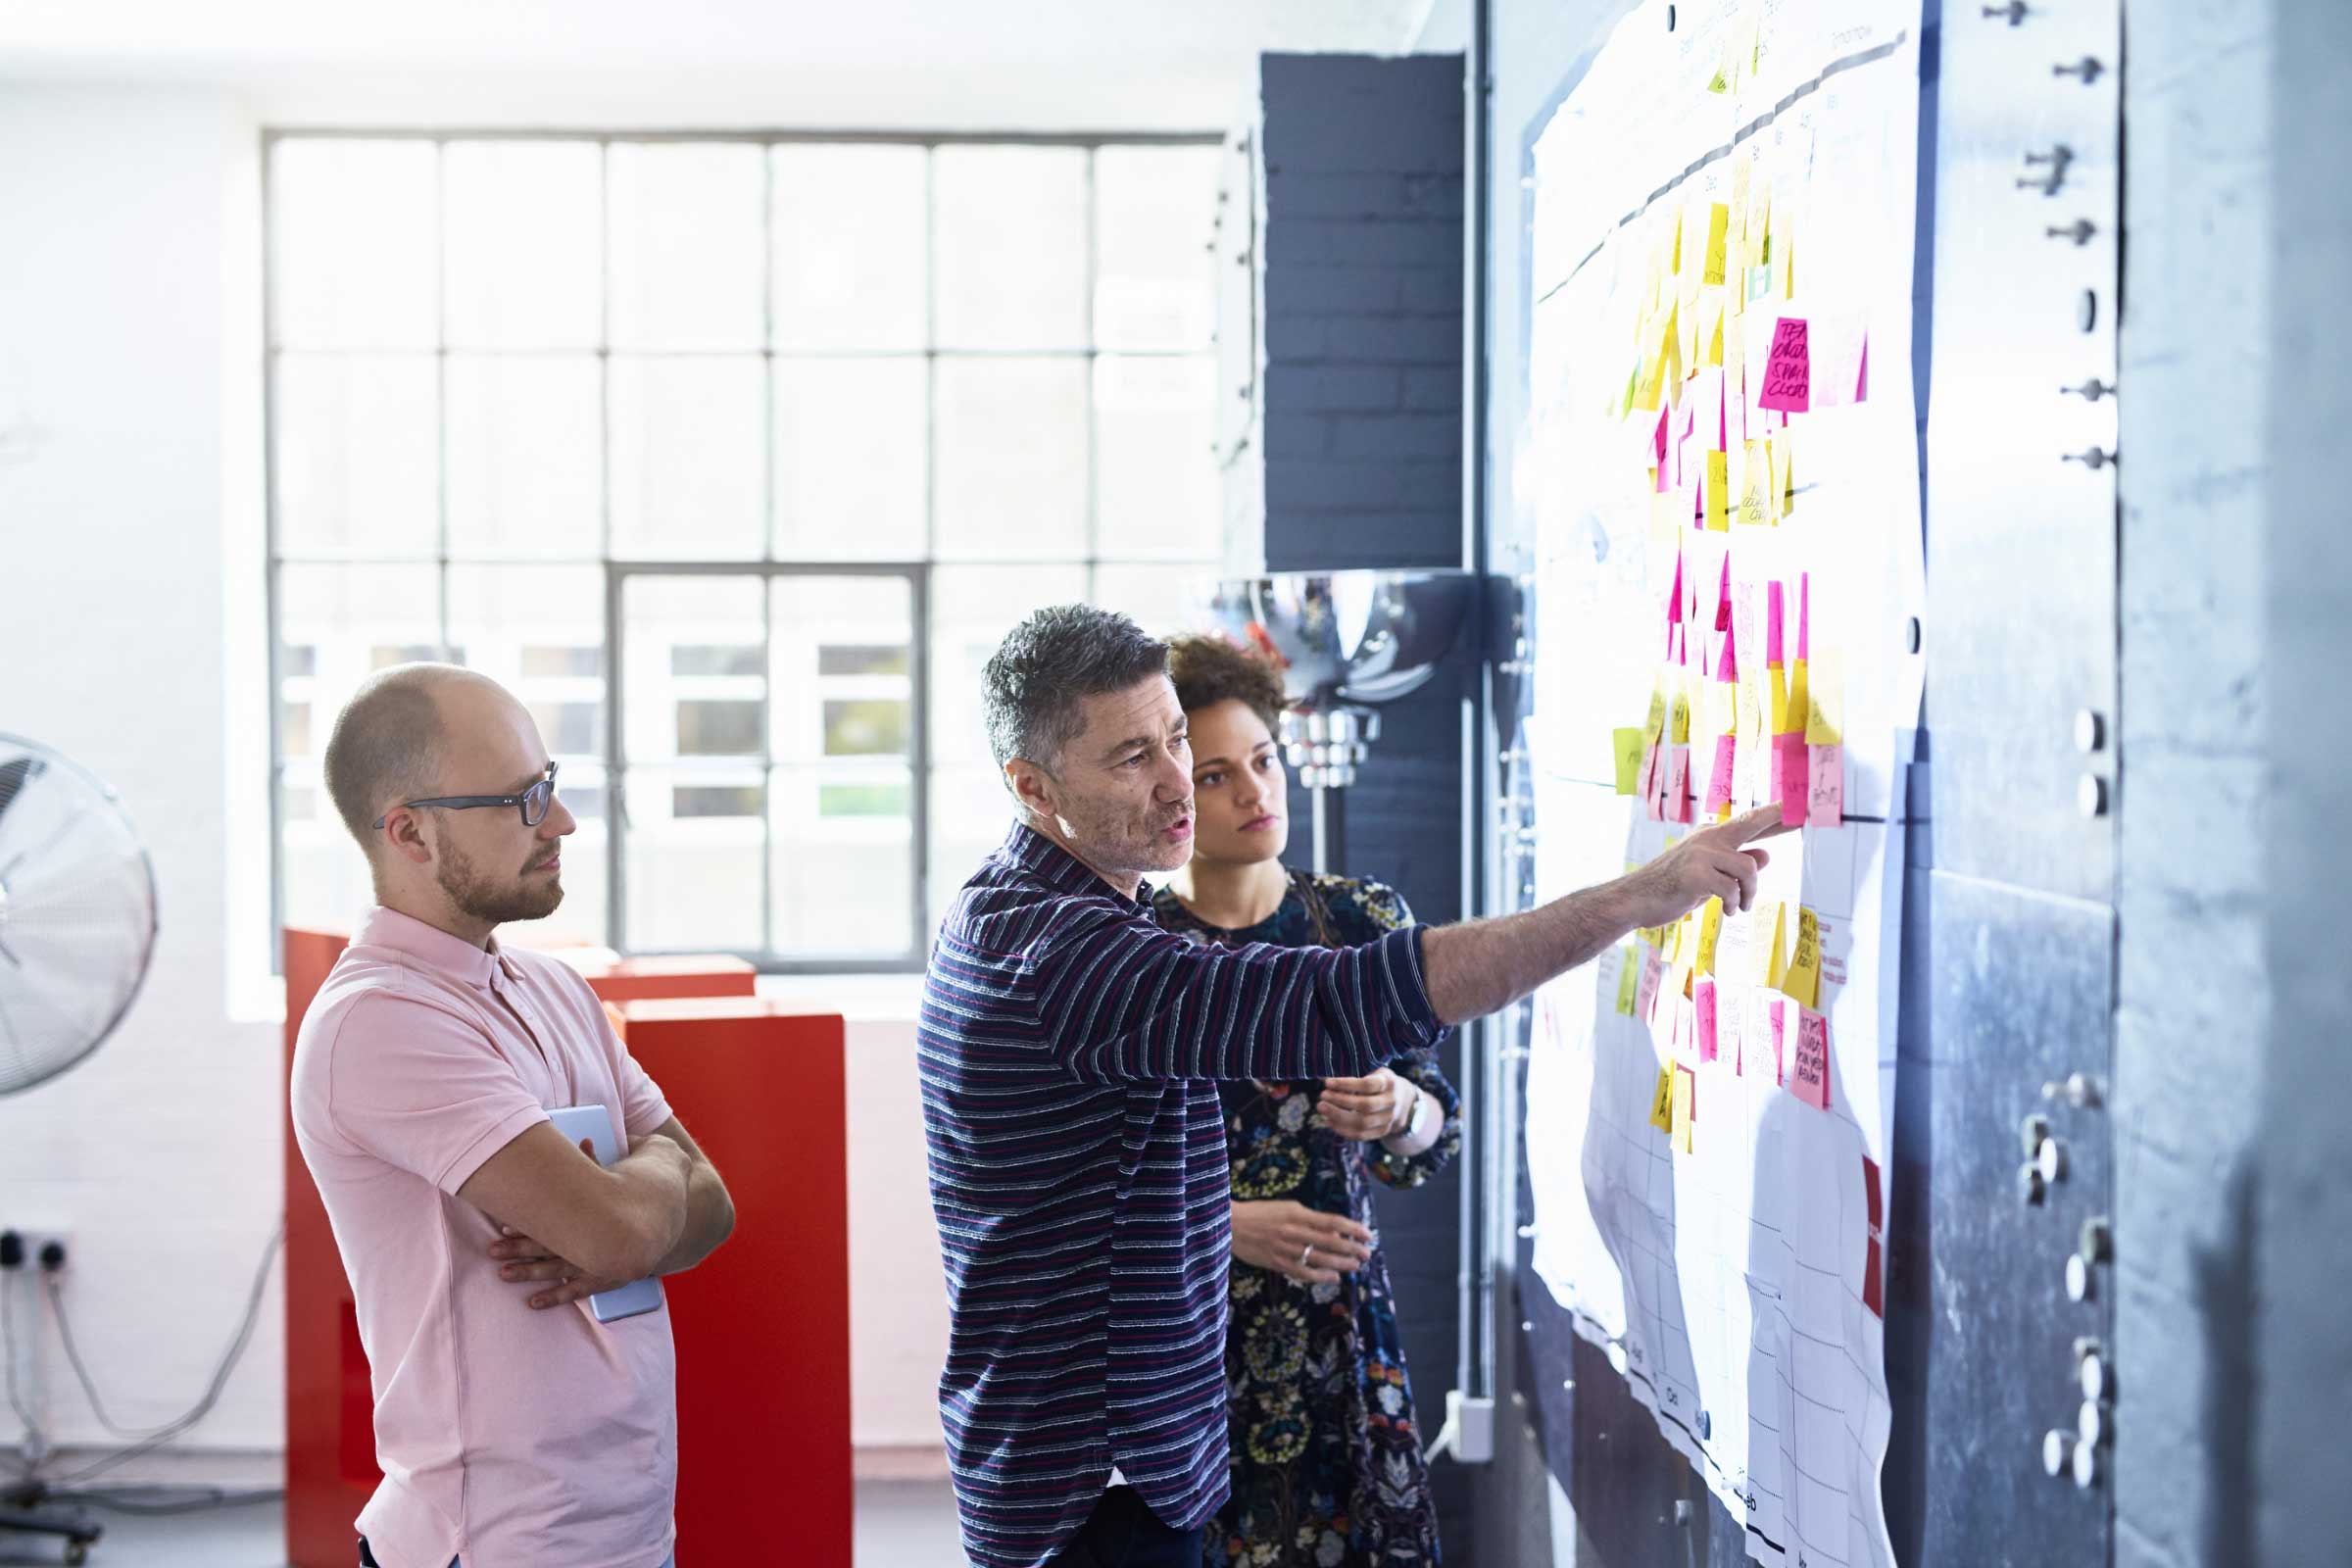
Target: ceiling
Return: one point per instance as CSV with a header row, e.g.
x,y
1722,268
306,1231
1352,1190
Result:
x,y
914,64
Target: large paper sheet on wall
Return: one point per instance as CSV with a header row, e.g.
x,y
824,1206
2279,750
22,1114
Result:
x,y
1721,456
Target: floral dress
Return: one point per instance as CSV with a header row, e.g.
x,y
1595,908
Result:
x,y
1327,1465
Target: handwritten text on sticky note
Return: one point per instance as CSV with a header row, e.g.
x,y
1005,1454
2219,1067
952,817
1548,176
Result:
x,y
1788,369
1809,1077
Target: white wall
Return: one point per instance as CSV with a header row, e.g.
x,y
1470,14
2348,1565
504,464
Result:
x,y
129,321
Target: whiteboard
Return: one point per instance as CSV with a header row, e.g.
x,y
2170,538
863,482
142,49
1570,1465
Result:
x,y
1721,450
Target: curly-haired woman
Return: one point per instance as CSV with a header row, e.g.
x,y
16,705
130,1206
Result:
x,y
1327,1455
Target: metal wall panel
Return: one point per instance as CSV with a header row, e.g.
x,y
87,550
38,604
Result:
x,y
2022,517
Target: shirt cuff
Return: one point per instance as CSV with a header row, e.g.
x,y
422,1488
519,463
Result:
x,y
1408,993
1421,1133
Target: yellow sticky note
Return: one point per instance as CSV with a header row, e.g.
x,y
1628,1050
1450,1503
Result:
x,y
1686,1089
1824,717
1712,352
1628,745
1802,982
1774,924
1629,978
1743,168
1682,719
1670,370
1710,927
1673,947
1780,699
1656,726
1719,220
1784,467
1717,487
1798,705
1755,477
1661,1103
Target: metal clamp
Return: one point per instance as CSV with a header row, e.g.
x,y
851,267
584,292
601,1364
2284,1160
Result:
x,y
2080,231
2087,69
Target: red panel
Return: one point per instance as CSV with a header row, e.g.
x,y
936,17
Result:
x,y
331,1427
648,979
764,1327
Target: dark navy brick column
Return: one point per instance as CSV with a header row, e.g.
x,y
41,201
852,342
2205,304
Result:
x,y
1364,467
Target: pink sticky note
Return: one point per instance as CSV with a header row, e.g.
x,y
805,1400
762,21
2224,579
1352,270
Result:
x,y
1674,597
1727,662
1790,771
1645,785
1774,602
1789,369
1702,1001
1731,1030
1780,1031
1862,373
1804,615
1654,801
1653,971
1810,1080
1723,597
1719,781
1825,786
1678,782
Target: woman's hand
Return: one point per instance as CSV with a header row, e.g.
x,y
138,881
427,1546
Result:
x,y
1368,1108
1290,1238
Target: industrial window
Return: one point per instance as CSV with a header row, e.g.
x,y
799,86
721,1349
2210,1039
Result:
x,y
732,458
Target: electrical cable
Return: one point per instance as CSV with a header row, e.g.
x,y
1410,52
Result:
x,y
16,1398
157,1437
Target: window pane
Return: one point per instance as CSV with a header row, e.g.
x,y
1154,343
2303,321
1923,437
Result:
x,y
852,469
1162,599
540,632
1013,461
971,813
688,472
857,659
972,607
1156,462
866,727
842,881
689,688
719,727
688,257
526,456
524,267
1011,247
693,876
359,468
1155,211
715,658
831,705
848,227
354,229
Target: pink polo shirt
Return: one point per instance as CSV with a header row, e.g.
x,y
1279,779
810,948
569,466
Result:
x,y
513,1438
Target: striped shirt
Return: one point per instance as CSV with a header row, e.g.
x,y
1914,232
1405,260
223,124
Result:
x,y
1068,1047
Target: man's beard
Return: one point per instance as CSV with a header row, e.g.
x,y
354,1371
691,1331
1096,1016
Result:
x,y
1113,841
478,898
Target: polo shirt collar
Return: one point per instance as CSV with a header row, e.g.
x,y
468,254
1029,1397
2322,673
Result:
x,y
431,948
1059,869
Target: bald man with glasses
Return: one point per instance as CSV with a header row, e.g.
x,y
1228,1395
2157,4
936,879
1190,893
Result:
x,y
511,1424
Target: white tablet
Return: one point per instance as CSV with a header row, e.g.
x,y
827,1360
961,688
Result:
x,y
594,1124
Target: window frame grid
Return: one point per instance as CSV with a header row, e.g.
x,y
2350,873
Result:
x,y
766,566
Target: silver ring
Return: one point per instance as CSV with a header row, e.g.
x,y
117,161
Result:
x,y
1309,1252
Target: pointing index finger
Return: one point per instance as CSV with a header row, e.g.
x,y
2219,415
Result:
x,y
1763,822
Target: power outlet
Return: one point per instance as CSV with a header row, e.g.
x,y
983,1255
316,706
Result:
x,y
38,1236
1473,1422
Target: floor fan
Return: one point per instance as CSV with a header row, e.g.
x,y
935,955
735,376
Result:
x,y
77,932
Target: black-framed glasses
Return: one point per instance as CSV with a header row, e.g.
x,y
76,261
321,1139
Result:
x,y
533,803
